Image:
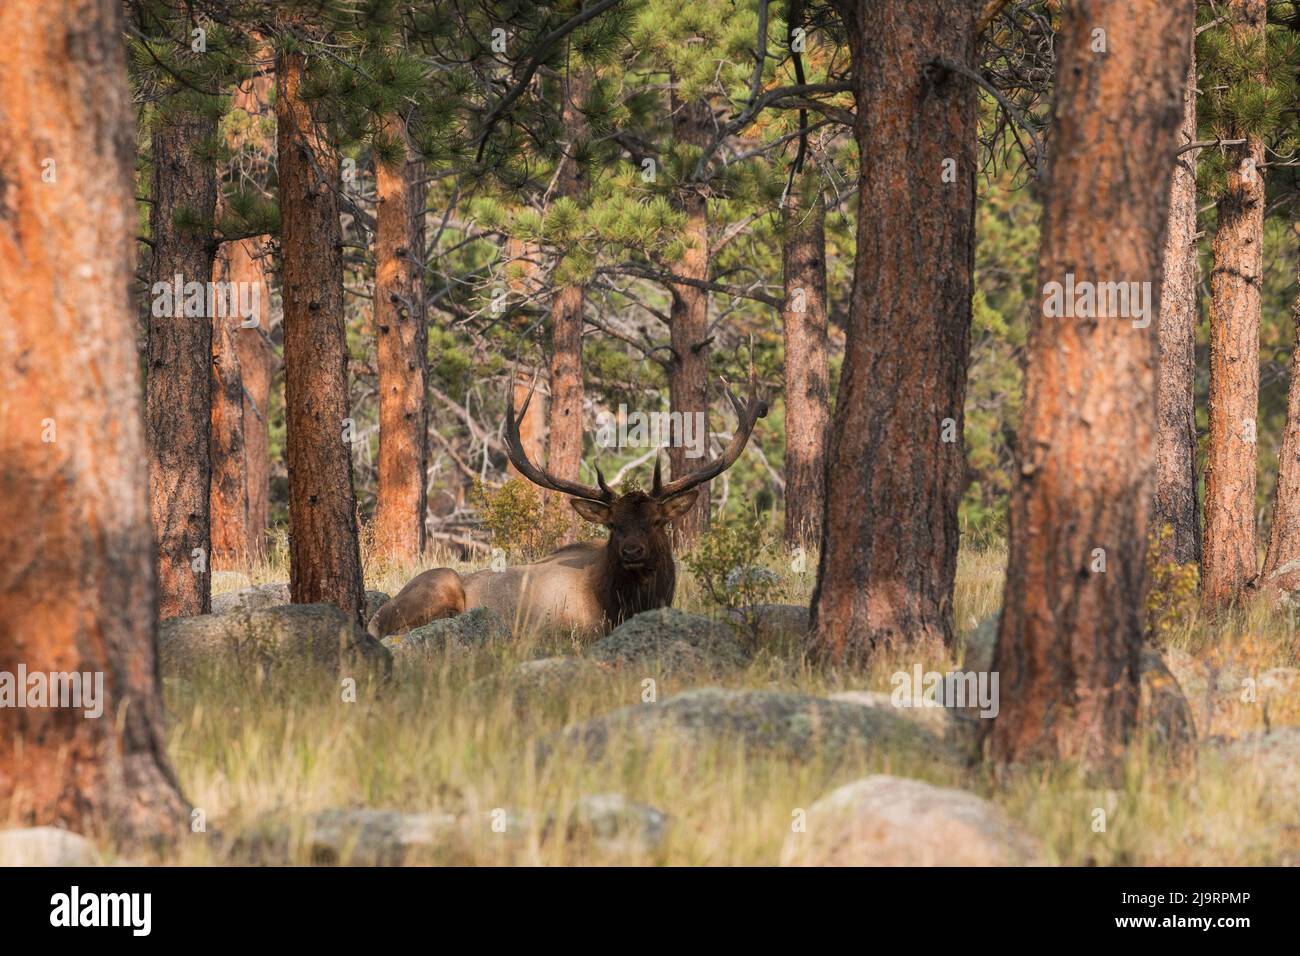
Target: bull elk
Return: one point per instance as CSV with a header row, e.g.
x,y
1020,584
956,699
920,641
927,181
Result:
x,y
586,588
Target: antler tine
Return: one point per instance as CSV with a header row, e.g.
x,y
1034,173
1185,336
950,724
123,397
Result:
x,y
747,415
540,476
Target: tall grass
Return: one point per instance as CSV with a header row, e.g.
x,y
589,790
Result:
x,y
447,736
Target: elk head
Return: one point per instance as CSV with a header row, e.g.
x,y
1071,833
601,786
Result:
x,y
636,520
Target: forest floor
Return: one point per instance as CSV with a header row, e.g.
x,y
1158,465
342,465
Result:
x,y
433,742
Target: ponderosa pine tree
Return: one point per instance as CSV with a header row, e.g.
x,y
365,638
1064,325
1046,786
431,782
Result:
x,y
1070,638
1176,503
324,552
403,343
183,198
807,379
564,457
79,590
1282,561
896,468
244,360
1228,558
688,366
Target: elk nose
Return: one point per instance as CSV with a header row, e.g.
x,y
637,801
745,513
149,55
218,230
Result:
x,y
632,552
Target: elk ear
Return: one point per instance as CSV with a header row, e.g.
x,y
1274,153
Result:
x,y
593,511
678,504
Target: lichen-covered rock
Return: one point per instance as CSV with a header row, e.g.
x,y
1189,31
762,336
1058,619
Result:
x,y
269,638
616,825
1163,711
374,601
248,599
791,726
890,821
938,720
45,846
477,627
979,646
667,641
1274,756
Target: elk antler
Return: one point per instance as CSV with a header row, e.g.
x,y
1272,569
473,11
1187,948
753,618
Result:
x,y
748,415
539,476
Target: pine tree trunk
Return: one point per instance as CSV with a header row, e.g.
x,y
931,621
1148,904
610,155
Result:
x,y
565,456
896,466
403,342
178,381
258,364
688,370
1282,563
244,365
1228,557
324,555
807,387
1071,631
78,588
229,488
1176,441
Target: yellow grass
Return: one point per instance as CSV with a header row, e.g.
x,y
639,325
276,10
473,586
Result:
x,y
441,738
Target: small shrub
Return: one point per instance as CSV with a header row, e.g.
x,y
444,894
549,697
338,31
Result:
x,y
1172,588
728,565
521,520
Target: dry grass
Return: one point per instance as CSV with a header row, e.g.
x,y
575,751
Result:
x,y
446,737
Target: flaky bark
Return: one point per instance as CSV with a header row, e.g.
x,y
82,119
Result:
x,y
1176,506
228,493
807,387
324,555
241,465
688,369
1070,637
403,341
177,383
565,455
1228,556
78,586
896,464
1282,563
244,363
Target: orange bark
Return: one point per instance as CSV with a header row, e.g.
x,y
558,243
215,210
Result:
x,y
1069,643
78,586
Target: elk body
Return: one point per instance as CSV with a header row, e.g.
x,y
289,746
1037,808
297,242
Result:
x,y
585,588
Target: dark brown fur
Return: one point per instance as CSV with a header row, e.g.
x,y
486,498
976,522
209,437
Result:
x,y
635,521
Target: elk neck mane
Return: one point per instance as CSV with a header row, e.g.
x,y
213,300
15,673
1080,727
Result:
x,y
624,593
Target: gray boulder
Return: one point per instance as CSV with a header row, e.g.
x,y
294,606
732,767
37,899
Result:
x,y
550,679
792,726
477,627
374,601
1273,758
667,640
45,846
617,826
268,639
248,599
889,821
1163,711
978,656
